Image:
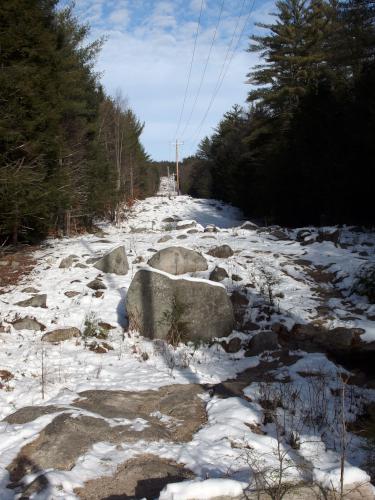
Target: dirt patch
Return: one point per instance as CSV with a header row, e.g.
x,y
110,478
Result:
x,y
141,477
14,266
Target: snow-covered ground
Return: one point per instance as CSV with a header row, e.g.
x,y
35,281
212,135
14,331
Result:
x,y
224,446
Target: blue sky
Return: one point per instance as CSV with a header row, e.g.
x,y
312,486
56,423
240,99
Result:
x,y
147,57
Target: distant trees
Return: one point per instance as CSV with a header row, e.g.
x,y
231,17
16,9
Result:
x,y
57,127
304,151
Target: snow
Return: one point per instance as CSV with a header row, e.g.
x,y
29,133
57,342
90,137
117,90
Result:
x,y
204,490
218,450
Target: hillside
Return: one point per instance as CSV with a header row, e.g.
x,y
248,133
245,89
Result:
x,y
107,410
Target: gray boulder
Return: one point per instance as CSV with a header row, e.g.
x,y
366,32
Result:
x,y
96,284
67,262
211,228
178,260
35,301
221,252
165,238
186,224
158,304
261,342
114,262
61,334
27,323
249,225
218,274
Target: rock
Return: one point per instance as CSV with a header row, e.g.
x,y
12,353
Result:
x,y
211,228
249,225
114,262
80,265
35,301
178,260
61,334
186,224
221,252
250,326
165,238
336,339
158,305
71,293
261,342
169,220
192,231
239,299
28,323
141,477
106,326
332,235
153,250
29,413
303,234
67,437
236,277
92,260
218,274
30,289
139,230
67,262
208,237
96,285
278,234
233,346
98,294
182,237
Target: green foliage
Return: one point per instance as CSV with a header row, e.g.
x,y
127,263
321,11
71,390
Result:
x,y
92,329
365,282
58,131
302,153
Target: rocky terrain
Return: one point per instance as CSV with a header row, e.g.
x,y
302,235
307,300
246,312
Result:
x,y
187,353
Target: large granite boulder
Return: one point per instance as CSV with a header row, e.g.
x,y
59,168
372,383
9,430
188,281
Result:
x,y
158,304
114,262
178,260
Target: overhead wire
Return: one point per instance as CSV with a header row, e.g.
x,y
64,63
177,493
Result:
x,y
190,69
205,69
225,67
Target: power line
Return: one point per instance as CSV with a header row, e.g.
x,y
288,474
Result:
x,y
223,71
190,69
205,69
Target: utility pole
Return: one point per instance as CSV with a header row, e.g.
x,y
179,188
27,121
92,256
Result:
x,y
177,168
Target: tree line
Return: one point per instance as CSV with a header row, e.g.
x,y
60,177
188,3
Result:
x,y
303,150
68,151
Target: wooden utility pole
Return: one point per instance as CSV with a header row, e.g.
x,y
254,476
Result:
x,y
177,167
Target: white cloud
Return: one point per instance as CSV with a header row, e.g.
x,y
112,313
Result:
x,y
149,62
119,17
195,5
